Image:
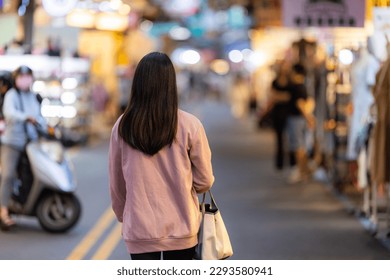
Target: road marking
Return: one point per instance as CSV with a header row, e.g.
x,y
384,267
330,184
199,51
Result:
x,y
109,244
93,235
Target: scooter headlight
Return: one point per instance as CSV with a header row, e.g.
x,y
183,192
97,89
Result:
x,y
54,150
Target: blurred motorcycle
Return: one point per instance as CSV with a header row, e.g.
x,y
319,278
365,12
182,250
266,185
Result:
x,y
45,185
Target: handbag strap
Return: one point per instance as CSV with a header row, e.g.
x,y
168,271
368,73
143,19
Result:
x,y
213,204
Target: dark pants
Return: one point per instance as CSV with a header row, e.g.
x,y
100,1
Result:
x,y
9,161
279,127
186,254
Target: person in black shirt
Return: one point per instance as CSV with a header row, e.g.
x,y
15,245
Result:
x,y
300,118
280,99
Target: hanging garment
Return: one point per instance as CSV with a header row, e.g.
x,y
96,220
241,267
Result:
x,y
380,163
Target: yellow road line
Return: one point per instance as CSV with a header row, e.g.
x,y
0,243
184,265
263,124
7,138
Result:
x,y
93,235
109,244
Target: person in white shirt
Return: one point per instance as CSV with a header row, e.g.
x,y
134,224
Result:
x,y
22,111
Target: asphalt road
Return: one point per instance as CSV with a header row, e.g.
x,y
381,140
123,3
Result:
x,y
266,218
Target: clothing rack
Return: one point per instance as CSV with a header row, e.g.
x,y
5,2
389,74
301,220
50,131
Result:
x,y
376,217
340,174
378,220
379,215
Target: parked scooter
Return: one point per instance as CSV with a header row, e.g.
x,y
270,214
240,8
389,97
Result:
x,y
45,186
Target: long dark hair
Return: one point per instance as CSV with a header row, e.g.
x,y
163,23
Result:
x,y
149,122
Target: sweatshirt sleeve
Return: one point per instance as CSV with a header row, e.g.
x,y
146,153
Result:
x,y
11,112
200,155
116,179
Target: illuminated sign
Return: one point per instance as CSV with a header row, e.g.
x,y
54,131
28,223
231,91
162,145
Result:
x,y
58,8
181,8
326,13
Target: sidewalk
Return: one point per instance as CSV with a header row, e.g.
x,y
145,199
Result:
x,y
267,218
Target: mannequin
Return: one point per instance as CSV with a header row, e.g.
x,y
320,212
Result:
x,y
363,74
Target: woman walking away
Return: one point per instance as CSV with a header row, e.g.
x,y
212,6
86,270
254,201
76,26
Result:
x,y
159,160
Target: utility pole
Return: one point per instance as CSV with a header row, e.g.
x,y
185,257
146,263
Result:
x,y
28,24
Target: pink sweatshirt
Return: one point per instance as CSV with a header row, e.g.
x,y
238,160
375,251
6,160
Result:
x,y
155,197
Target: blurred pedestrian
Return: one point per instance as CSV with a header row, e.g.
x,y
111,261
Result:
x,y
100,95
300,118
240,96
125,82
5,85
53,47
159,159
21,111
280,97
15,47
